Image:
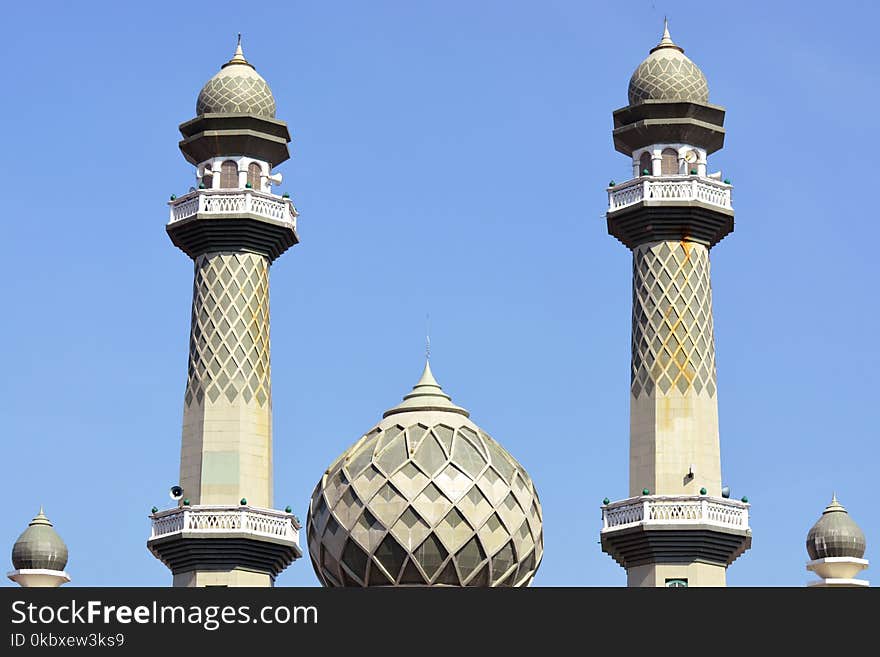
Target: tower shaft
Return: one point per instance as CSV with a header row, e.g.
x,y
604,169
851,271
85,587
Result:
x,y
226,452
677,527
224,531
674,446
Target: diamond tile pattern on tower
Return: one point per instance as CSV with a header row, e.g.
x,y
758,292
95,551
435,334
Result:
x,y
409,528
668,77
236,94
673,345
229,338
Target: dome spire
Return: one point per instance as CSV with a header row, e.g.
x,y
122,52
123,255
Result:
x,y
426,395
666,40
238,56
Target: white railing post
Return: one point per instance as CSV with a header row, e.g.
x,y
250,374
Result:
x,y
646,186
604,519
185,520
704,509
646,510
243,526
745,516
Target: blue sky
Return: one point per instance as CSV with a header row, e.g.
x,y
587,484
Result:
x,y
447,158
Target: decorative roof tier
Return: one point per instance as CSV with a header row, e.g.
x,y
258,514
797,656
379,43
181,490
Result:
x,y
425,498
667,74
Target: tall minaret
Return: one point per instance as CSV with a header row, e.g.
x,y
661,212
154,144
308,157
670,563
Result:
x,y
224,531
677,528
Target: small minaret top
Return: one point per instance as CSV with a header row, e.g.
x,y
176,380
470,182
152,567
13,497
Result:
x,y
39,556
836,546
667,74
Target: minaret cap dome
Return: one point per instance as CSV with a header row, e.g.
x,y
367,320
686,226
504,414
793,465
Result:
x,y
39,546
425,498
237,88
667,74
835,534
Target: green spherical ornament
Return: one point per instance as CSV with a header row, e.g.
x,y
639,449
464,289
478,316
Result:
x,y
645,491
285,195
703,491
606,501
243,501
745,499
645,172
287,509
693,172
248,186
154,509
611,183
185,501
173,197
726,181
201,185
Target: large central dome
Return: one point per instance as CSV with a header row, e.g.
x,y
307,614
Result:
x,y
425,498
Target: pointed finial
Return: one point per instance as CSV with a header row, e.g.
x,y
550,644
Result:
x,y
40,518
666,40
834,505
238,56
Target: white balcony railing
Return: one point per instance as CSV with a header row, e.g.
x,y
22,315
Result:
x,y
211,519
675,509
232,202
669,188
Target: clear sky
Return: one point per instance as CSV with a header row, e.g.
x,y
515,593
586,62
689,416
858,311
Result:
x,y
448,158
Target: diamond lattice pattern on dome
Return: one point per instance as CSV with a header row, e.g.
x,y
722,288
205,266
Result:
x,y
425,506
229,339
668,77
236,94
672,336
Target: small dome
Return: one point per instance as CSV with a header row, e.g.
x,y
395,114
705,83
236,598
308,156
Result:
x,y
835,534
39,546
666,74
426,498
236,89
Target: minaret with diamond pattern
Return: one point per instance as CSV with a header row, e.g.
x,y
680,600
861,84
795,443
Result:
x,y
233,227
670,215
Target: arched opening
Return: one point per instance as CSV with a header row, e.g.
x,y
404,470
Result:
x,y
229,175
669,162
646,164
253,175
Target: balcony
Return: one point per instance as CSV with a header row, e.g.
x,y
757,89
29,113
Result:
x,y
672,189
207,519
675,528
675,509
233,202
209,536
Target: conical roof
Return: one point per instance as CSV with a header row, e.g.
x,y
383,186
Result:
x,y
835,534
39,546
667,74
426,395
236,89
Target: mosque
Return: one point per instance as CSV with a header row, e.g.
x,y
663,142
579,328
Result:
x,y
426,497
